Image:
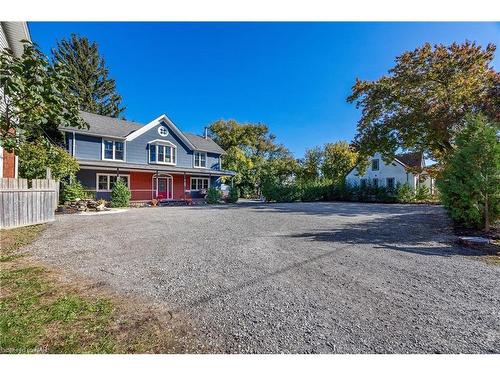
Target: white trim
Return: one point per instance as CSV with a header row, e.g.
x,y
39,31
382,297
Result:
x,y
160,128
197,183
206,160
166,176
74,144
114,149
97,175
156,122
173,154
16,166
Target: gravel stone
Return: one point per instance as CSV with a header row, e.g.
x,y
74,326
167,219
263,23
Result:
x,y
294,278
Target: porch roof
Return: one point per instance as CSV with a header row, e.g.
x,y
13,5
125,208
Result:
x,y
123,166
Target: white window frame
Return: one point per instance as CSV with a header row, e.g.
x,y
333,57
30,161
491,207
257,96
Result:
x,y
198,180
378,165
159,142
127,176
161,128
114,149
194,159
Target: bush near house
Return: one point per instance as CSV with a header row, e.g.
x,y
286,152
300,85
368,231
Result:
x,y
213,195
120,195
73,190
234,195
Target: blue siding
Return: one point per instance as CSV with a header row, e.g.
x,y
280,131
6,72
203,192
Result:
x,y
137,150
88,147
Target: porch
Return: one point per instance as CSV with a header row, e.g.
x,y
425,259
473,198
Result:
x,y
166,184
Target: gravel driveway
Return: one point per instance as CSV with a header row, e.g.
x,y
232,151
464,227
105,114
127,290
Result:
x,y
300,277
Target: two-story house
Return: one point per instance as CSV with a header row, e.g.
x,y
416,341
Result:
x,y
408,168
156,160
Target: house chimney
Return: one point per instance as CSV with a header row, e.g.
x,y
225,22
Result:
x,y
206,132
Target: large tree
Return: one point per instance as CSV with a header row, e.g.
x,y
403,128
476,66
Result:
x,y
251,151
310,165
470,182
422,102
34,99
90,76
339,159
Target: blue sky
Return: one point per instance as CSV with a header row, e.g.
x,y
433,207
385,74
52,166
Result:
x,y
294,77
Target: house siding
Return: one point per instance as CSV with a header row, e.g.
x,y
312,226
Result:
x,y
88,147
393,169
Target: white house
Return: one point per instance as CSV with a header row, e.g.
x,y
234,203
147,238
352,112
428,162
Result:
x,y
406,168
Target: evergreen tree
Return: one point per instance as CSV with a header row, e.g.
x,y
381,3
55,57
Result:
x,y
90,76
470,183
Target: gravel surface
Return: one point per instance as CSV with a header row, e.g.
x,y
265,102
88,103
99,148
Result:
x,y
299,278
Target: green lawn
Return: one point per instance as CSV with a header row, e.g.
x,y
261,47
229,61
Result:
x,y
40,313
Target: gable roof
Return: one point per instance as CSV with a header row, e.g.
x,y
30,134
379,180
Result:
x,y
411,159
114,127
105,126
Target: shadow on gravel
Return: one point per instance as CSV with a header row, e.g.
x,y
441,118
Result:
x,y
345,209
410,232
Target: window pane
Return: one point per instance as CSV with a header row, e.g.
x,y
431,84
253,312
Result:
x,y
168,154
375,165
375,182
203,160
102,183
119,150
108,149
112,180
196,159
161,153
193,184
390,182
205,183
152,153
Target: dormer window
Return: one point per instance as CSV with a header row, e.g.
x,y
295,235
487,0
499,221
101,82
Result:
x,y
162,152
113,150
200,159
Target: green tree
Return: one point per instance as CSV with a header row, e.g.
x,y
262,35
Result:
x,y
470,182
422,102
251,151
90,76
310,166
35,158
120,194
35,98
339,159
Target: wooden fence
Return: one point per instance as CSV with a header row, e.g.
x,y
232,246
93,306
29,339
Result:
x,y
21,205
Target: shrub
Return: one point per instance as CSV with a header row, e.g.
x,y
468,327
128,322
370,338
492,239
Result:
x,y
405,194
422,194
315,192
278,192
120,195
73,190
234,195
213,195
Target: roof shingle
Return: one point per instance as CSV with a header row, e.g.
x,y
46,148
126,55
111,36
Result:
x,y
411,159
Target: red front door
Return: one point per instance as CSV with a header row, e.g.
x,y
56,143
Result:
x,y
164,188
